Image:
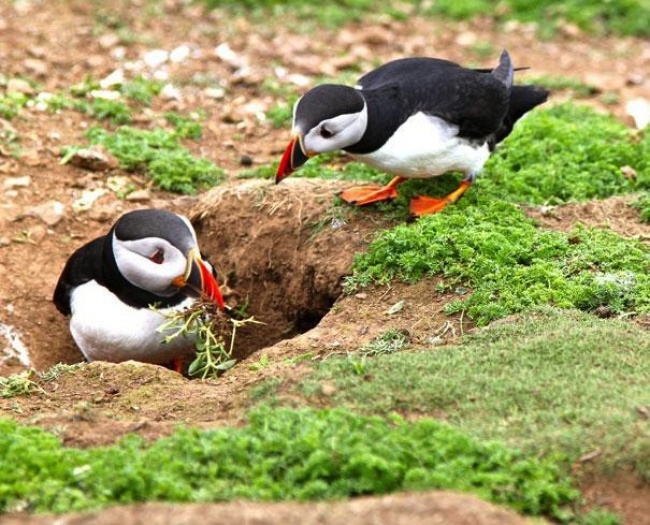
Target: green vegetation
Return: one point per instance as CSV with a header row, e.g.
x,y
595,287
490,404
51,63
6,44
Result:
x,y
551,381
281,454
17,384
158,152
561,83
141,90
509,264
566,153
11,103
281,114
115,111
186,127
329,14
627,17
389,342
643,205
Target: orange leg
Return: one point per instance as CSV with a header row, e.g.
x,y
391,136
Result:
x,y
178,364
427,205
362,195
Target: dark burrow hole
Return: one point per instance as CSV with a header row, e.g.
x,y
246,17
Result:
x,y
274,267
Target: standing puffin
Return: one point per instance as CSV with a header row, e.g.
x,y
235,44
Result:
x,y
149,257
413,118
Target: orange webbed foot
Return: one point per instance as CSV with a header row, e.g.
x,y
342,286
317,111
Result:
x,y
364,195
420,206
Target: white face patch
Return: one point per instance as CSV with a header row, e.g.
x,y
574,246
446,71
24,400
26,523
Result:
x,y
150,263
336,133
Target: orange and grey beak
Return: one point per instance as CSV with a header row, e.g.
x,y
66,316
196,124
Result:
x,y
294,157
199,278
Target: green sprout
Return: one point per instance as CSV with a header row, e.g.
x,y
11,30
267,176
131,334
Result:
x,y
208,327
18,384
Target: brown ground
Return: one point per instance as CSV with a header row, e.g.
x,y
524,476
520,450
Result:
x,y
270,243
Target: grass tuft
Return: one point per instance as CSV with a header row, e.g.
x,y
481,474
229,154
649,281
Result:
x,y
549,381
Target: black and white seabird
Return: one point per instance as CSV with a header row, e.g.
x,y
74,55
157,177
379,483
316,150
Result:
x,y
149,257
413,118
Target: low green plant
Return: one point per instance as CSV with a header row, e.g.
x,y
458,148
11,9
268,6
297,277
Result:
x,y
329,14
209,328
563,83
18,384
11,104
281,114
508,263
186,127
566,153
281,454
158,152
115,111
643,205
390,341
141,90
628,17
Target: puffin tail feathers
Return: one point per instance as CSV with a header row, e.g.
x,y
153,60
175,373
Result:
x,y
522,100
504,72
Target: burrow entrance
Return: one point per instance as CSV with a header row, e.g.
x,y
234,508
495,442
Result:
x,y
281,252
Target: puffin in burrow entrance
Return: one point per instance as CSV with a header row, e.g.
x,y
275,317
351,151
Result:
x,y
413,118
148,258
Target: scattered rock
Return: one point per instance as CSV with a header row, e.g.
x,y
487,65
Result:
x,y
36,234
94,158
180,54
639,110
17,182
139,196
106,212
327,389
108,40
116,78
50,212
87,199
155,58
36,67
18,85
629,172
246,160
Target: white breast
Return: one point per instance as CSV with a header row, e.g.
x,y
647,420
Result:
x,y
427,146
106,329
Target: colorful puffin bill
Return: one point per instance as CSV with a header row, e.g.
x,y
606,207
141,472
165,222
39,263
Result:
x,y
148,258
413,118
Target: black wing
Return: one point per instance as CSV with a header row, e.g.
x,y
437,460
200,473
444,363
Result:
x,y
475,101
403,68
83,265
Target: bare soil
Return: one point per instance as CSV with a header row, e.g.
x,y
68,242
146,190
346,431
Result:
x,y
279,249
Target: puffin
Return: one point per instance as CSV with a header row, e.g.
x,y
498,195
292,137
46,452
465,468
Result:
x,y
149,258
413,118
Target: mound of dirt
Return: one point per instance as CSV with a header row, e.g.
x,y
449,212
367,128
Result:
x,y
428,508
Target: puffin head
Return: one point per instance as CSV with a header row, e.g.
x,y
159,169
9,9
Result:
x,y
157,251
326,118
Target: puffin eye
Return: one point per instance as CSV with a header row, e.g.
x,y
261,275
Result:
x,y
158,256
325,133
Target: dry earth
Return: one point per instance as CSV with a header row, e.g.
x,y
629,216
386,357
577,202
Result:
x,y
271,245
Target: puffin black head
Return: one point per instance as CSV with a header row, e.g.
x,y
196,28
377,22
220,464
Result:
x,y
157,251
326,118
